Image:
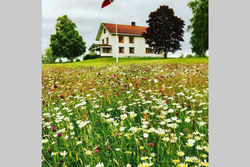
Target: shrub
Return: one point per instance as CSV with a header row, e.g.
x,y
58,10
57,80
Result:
x,y
77,60
181,56
48,57
44,59
91,55
189,56
201,55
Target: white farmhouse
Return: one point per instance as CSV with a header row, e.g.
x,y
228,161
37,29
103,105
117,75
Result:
x,y
127,43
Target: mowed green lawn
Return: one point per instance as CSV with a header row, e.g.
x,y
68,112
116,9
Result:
x,y
143,60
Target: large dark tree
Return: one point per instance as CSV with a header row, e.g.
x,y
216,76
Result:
x,y
165,31
67,42
199,26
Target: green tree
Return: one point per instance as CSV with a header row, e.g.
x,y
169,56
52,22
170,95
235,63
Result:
x,y
165,31
67,42
199,26
48,57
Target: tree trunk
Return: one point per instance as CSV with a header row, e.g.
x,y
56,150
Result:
x,y
165,54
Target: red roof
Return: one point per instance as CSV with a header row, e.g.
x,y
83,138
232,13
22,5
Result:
x,y
125,29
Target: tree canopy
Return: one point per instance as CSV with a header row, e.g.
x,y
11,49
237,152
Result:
x,y
165,31
199,26
67,42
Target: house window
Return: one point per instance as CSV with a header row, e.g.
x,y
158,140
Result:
x,y
121,49
131,39
107,40
131,50
104,31
121,39
148,50
103,41
106,50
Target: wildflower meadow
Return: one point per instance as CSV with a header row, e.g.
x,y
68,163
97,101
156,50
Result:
x,y
125,115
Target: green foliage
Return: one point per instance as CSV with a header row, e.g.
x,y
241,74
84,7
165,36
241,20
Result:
x,y
181,56
91,55
189,56
199,26
67,42
77,60
165,31
48,57
198,55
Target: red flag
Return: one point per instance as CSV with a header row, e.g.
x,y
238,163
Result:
x,y
106,3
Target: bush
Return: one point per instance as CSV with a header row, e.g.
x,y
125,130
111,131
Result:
x,y
77,60
189,56
181,56
44,59
48,57
91,55
202,55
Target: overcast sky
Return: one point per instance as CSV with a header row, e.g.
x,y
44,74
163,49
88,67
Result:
x,y
87,15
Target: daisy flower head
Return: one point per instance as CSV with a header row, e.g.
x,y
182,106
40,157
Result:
x,y
190,142
171,110
180,153
166,139
152,155
117,149
45,140
182,165
188,159
122,129
88,152
145,135
187,119
144,158
124,116
100,165
145,164
205,163
53,153
83,123
155,81
64,153
151,130
132,114
176,161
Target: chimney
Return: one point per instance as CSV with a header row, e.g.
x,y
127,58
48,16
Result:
x,y
133,23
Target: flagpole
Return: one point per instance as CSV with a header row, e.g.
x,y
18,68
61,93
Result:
x,y
106,3
116,35
116,45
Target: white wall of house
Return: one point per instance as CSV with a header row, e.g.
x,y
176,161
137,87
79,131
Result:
x,y
139,46
104,36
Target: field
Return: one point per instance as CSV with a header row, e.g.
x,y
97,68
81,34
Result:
x,y
139,113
